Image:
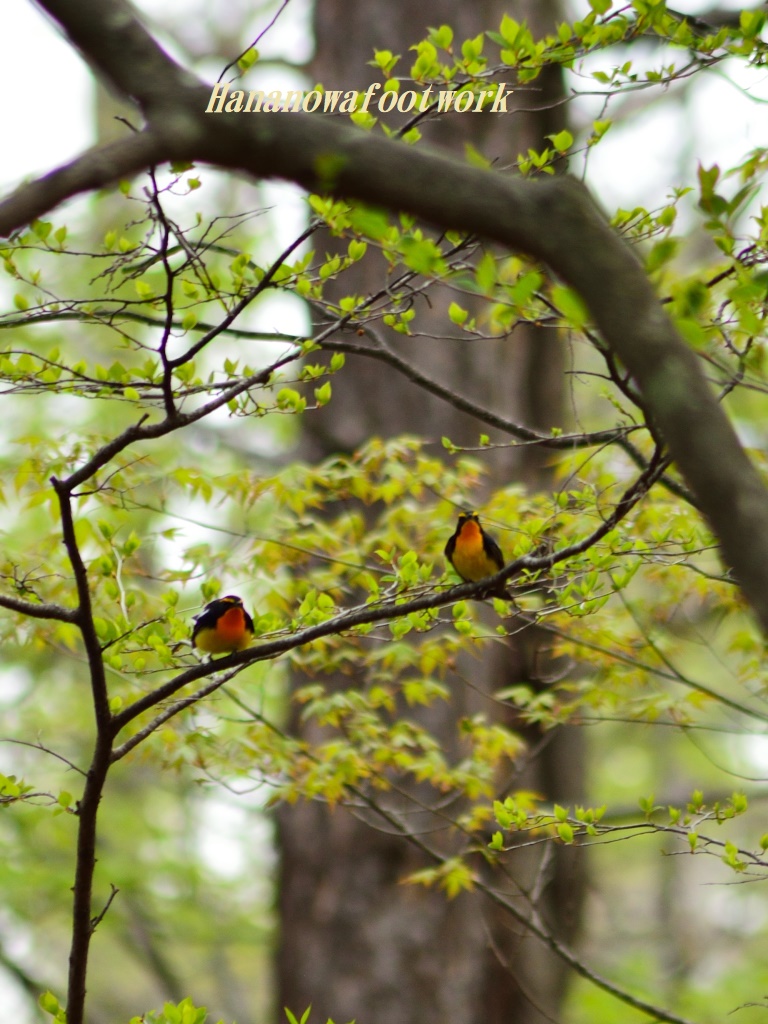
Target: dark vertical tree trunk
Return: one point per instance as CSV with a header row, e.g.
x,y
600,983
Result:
x,y
355,943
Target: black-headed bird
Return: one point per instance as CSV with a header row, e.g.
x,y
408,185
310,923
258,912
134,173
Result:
x,y
473,553
223,626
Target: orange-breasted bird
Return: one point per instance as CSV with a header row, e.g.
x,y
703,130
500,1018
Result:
x,y
472,552
223,626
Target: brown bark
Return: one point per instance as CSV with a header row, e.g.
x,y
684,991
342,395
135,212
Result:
x,y
354,941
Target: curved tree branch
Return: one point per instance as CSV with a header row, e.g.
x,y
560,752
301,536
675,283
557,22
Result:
x,y
94,169
554,220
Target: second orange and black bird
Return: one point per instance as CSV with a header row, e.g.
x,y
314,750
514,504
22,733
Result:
x,y
223,626
472,552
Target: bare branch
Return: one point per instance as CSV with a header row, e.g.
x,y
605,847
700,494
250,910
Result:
x,y
102,913
170,712
238,308
44,750
483,415
256,41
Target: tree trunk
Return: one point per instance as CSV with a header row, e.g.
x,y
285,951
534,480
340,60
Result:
x,y
355,943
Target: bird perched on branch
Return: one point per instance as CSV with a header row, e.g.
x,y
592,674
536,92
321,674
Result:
x,y
223,626
473,553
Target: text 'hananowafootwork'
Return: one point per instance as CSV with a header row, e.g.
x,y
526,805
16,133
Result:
x,y
224,99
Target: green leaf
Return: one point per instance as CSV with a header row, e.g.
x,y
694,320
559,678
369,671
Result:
x,y
485,275
509,30
370,221
475,158
144,290
385,60
456,314
288,399
570,305
51,1005
565,832
42,228
662,252
471,49
441,37
599,128
751,23
323,394
562,141
248,59
647,805
357,249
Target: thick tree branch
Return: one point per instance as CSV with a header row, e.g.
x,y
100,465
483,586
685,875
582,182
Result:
x,y
84,613
94,169
37,610
554,220
120,50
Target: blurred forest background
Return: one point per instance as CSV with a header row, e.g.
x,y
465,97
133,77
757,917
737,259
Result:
x,y
594,756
